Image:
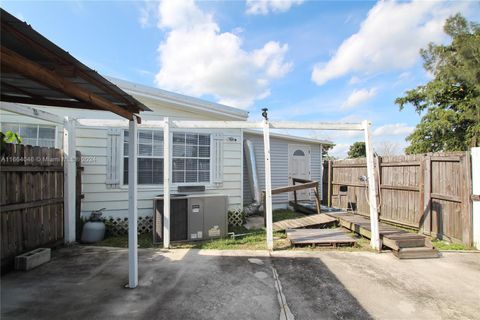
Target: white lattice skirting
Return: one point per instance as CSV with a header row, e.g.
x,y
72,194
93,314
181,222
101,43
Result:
x,y
236,217
119,226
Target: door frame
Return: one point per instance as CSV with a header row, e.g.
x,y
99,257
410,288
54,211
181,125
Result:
x,y
291,148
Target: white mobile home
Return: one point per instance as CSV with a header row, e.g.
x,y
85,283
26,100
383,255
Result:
x,y
211,159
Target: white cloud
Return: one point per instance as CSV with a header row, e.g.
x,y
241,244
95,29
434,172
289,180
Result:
x,y
359,96
197,59
354,80
396,129
264,7
389,38
340,150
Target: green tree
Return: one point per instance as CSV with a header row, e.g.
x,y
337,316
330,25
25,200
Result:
x,y
450,102
357,150
325,149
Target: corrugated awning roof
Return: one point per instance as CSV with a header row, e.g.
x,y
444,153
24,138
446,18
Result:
x,y
36,71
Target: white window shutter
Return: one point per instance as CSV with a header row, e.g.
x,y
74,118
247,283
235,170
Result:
x,y
114,156
217,158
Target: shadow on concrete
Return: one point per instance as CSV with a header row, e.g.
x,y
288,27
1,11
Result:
x,y
87,283
314,292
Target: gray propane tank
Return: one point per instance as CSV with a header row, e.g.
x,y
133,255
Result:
x,y
94,229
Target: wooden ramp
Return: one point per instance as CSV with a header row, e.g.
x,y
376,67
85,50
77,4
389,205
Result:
x,y
308,221
405,245
320,237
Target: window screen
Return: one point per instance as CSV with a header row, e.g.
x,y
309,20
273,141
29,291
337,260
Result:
x,y
150,157
33,134
190,157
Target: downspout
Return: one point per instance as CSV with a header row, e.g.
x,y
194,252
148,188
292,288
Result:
x,y
254,207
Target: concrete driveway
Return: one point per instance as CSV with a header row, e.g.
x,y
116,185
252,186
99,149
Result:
x,y
87,283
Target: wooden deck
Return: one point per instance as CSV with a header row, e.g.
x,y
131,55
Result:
x,y
312,220
403,243
321,237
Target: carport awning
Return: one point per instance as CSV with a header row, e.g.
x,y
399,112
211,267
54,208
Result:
x,y
36,71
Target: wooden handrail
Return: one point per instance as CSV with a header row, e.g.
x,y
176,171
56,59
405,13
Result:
x,y
304,184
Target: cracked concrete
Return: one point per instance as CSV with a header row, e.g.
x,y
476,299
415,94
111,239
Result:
x,y
87,283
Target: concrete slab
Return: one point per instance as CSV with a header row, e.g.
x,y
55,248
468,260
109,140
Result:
x,y
87,283
360,285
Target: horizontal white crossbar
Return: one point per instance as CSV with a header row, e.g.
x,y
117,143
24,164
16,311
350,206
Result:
x,y
316,125
31,112
186,124
216,124
273,125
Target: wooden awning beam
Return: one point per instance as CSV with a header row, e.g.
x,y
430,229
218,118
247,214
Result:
x,y
46,77
47,102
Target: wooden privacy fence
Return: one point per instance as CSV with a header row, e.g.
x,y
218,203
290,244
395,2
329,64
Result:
x,y
31,200
429,192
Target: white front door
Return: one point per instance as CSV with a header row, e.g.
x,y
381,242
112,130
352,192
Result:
x,y
299,167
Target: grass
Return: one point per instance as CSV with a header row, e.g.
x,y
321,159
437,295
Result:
x,y
253,240
249,239
284,214
445,245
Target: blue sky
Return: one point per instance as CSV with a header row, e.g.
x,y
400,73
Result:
x,y
304,60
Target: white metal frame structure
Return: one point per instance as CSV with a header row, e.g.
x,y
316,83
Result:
x,y
167,124
266,125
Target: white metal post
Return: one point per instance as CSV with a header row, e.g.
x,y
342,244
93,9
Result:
x,y
69,183
476,191
372,193
132,204
166,183
268,184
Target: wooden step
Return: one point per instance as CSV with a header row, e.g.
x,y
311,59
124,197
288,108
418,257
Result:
x,y
416,253
405,240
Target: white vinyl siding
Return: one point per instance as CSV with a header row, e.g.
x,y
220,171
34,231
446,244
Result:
x,y
92,142
279,166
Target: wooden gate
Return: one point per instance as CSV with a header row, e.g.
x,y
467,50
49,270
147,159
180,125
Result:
x,y
429,192
31,200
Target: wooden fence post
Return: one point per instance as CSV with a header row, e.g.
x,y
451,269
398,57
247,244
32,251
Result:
x,y
421,195
378,177
330,186
78,196
427,202
466,193
476,196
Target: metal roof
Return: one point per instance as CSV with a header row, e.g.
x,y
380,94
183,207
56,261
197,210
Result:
x,y
289,137
182,101
36,71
